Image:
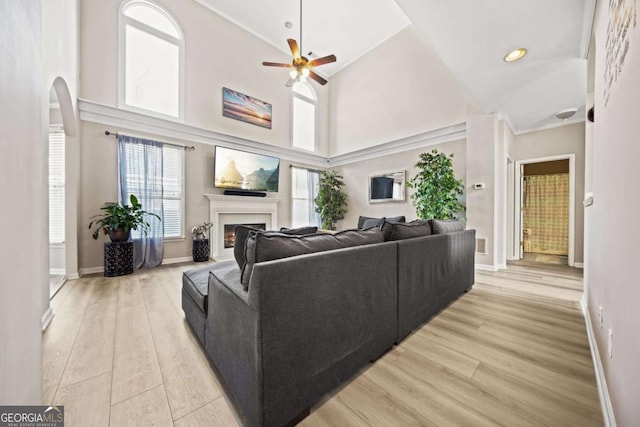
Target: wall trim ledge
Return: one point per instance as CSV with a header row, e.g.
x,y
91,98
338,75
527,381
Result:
x,y
603,391
119,118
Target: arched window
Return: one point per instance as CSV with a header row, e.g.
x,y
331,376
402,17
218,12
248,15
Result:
x,y
151,59
303,117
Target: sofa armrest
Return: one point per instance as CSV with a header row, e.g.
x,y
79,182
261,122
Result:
x,y
234,343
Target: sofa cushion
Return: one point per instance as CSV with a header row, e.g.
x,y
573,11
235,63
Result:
x,y
362,219
408,230
440,226
242,233
262,247
300,231
373,222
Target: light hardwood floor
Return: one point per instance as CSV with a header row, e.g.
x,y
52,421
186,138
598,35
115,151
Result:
x,y
513,351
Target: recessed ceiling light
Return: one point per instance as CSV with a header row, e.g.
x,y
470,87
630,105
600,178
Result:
x,y
288,24
516,54
566,114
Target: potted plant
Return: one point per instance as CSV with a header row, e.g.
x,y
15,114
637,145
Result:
x,y
331,201
119,219
436,189
200,249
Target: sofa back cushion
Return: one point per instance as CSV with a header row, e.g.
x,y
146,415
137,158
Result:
x,y
405,230
373,222
439,226
300,231
262,247
362,219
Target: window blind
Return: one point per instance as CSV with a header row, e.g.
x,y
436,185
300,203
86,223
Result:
x,y
56,187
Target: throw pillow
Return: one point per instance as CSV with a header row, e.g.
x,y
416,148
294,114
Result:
x,y
373,222
401,230
446,226
300,231
241,236
262,247
362,219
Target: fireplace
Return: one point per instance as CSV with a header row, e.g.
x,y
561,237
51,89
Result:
x,y
230,232
232,210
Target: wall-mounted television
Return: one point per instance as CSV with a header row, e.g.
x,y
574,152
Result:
x,y
241,170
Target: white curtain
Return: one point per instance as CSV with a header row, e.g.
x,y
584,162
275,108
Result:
x,y
141,175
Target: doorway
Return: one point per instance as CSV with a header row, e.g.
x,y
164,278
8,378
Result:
x,y
545,219
57,260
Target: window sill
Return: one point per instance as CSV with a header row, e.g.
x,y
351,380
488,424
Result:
x,y
174,239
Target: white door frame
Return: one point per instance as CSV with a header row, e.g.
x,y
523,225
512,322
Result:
x,y
518,238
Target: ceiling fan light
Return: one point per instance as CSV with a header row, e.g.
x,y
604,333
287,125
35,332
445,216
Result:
x,y
305,72
515,55
293,73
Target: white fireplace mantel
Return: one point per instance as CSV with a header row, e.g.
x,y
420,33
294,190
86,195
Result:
x,y
219,204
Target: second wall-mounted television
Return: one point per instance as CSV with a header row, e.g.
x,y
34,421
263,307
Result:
x,y
241,170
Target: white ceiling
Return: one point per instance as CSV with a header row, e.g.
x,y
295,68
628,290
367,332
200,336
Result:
x,y
471,37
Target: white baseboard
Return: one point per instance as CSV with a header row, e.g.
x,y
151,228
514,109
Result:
x,y
501,266
73,276
46,318
168,261
91,270
486,267
177,260
578,265
603,391
56,271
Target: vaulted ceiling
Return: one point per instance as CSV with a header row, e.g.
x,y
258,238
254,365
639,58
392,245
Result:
x,y
471,37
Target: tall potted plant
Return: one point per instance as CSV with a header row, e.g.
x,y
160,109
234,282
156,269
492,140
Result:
x,y
119,219
436,189
331,202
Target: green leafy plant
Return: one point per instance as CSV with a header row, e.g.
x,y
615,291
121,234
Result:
x,y
331,201
121,217
436,189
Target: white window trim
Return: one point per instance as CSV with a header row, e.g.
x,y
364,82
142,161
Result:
x,y
314,102
123,20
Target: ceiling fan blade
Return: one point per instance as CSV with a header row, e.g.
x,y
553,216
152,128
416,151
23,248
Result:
x,y
290,82
323,60
317,78
295,50
276,64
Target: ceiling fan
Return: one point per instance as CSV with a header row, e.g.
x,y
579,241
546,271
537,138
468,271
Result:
x,y
301,66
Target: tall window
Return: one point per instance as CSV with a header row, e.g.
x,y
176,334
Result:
x,y
304,189
303,112
56,186
167,194
151,57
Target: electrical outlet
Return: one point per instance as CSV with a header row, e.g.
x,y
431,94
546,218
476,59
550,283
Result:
x,y
610,344
600,316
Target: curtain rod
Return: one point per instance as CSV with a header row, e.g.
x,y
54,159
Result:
x,y
187,148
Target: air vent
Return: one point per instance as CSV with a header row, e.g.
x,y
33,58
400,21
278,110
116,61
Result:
x,y
481,245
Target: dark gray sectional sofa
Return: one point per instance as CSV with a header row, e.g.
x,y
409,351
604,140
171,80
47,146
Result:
x,y
307,323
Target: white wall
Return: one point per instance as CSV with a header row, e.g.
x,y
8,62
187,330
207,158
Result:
x,y
569,139
356,178
613,238
482,151
24,248
400,89
218,54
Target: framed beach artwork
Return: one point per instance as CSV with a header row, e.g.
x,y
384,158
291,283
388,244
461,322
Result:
x,y
239,106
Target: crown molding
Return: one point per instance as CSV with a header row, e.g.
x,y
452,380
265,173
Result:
x,y
120,118
449,133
